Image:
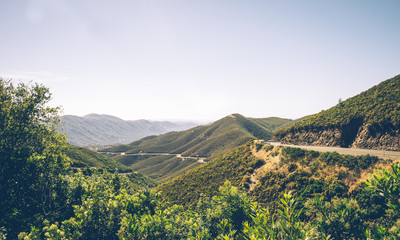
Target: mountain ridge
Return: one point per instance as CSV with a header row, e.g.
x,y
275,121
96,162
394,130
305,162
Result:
x,y
101,129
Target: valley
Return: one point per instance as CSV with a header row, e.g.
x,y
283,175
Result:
x,y
197,145
180,156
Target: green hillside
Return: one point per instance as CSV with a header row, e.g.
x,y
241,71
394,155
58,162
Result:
x,y
89,161
85,158
206,141
370,119
233,166
266,172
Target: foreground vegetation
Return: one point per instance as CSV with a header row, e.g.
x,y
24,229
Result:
x,y
105,209
44,198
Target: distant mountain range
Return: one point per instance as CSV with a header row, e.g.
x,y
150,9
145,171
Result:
x,y
202,141
96,129
369,120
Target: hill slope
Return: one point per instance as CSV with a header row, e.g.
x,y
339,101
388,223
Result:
x,y
85,158
203,141
266,172
369,120
95,129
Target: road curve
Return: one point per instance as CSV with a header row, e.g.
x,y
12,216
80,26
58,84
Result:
x,y
198,158
349,151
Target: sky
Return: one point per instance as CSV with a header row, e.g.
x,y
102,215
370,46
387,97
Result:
x,y
199,60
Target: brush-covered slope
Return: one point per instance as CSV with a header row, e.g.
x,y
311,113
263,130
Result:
x,y
204,142
95,129
86,158
369,120
266,172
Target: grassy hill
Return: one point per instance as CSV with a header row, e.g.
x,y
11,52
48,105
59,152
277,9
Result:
x,y
85,158
266,172
370,120
204,141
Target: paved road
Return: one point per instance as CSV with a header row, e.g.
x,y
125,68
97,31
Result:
x,y
199,159
350,151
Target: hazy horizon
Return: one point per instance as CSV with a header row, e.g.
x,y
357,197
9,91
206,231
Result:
x,y
205,121
199,60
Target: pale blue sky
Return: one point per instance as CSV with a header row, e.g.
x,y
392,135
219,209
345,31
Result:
x,y
200,60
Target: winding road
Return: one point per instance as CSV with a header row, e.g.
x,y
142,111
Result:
x,y
199,159
349,151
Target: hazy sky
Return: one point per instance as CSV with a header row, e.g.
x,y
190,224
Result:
x,y
202,60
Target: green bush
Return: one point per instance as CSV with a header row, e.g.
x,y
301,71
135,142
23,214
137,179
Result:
x,y
339,218
293,153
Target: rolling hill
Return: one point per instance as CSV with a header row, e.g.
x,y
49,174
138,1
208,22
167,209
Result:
x,y
86,159
368,120
206,141
95,129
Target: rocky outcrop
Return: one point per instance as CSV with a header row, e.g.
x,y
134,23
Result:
x,y
368,120
372,137
367,136
328,137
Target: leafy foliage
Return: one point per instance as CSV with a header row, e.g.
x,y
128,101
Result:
x,y
31,156
107,212
340,218
387,184
34,160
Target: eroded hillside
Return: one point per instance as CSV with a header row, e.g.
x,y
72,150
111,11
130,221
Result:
x,y
267,171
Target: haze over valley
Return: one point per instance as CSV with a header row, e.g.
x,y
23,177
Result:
x,y
101,130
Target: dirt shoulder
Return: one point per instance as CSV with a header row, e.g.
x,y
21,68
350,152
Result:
x,y
349,151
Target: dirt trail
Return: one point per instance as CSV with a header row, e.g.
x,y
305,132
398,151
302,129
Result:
x,y
271,164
